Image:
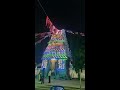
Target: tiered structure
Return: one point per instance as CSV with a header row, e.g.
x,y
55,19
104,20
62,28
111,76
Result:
x,y
56,55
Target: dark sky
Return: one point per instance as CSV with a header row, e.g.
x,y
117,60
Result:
x,y
65,14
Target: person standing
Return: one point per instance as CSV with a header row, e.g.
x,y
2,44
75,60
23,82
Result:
x,y
43,75
36,73
42,80
39,75
49,75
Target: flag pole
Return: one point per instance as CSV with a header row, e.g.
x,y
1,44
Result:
x,y
80,78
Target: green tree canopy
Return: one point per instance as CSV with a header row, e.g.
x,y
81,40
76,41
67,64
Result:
x,y
77,46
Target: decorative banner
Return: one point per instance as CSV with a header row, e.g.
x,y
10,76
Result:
x,y
42,39
82,34
41,35
39,41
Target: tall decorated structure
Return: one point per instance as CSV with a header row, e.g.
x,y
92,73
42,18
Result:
x,y
56,55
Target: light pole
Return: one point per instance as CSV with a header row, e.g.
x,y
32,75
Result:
x,y
80,78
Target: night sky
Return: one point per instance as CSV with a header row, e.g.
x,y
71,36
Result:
x,y
65,14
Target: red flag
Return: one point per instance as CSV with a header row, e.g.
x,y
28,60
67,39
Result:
x,y
51,28
48,22
50,25
42,34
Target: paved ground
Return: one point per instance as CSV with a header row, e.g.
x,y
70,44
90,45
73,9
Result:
x,y
68,84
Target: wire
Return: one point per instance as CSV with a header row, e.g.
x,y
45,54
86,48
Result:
x,y
42,7
42,39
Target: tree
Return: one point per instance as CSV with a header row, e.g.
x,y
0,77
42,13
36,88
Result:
x,y
77,46
79,54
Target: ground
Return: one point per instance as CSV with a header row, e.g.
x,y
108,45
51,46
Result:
x,y
68,84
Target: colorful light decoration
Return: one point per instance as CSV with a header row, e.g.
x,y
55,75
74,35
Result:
x,y
55,51
53,61
61,64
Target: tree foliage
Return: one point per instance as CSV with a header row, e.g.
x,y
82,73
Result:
x,y
77,46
